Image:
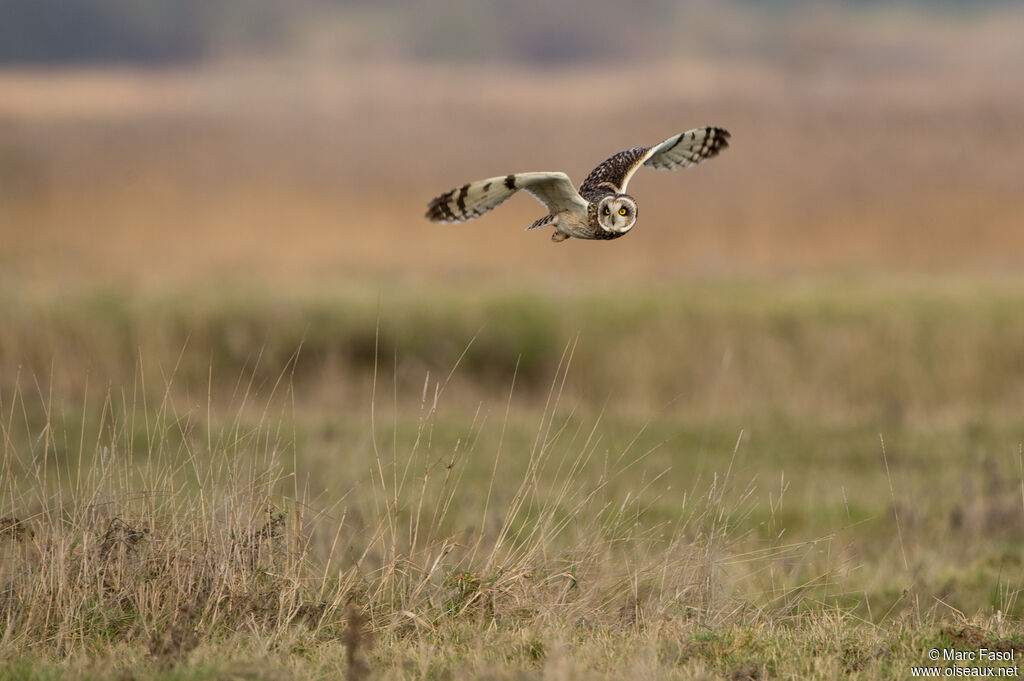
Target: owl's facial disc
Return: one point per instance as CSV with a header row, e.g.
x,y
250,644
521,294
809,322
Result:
x,y
617,213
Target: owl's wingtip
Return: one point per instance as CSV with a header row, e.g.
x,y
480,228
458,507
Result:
x,y
438,211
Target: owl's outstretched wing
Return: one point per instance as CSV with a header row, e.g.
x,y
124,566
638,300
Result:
x,y
685,149
472,200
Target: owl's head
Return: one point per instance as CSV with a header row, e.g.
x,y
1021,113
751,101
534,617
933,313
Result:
x,y
616,213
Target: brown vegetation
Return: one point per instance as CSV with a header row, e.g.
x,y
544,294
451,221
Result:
x,y
259,419
857,152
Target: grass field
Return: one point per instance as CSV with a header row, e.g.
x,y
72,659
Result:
x,y
260,420
821,480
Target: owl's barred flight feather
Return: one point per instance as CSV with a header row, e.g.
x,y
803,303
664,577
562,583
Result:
x,y
683,150
472,200
600,209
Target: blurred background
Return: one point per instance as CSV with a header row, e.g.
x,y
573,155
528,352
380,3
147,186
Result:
x,y
152,142
192,191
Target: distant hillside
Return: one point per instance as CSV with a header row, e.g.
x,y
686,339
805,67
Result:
x,y
535,31
144,31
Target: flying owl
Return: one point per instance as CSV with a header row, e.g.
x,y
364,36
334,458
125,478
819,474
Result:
x,y
601,209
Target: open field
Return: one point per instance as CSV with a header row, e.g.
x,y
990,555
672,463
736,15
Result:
x,y
260,420
240,471
854,148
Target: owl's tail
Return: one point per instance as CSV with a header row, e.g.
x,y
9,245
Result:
x,y
543,222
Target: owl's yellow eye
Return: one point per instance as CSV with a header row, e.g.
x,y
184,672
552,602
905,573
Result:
x,y
606,211
622,211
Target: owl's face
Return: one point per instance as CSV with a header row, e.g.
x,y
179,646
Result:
x,y
617,213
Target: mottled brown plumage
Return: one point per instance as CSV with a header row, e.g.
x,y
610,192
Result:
x,y
600,209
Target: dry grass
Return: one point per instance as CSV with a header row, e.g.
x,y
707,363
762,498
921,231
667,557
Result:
x,y
389,449
178,524
158,538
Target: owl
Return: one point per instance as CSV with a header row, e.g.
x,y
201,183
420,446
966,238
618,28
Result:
x,y
601,208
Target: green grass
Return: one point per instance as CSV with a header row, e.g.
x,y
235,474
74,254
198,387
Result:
x,y
764,480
